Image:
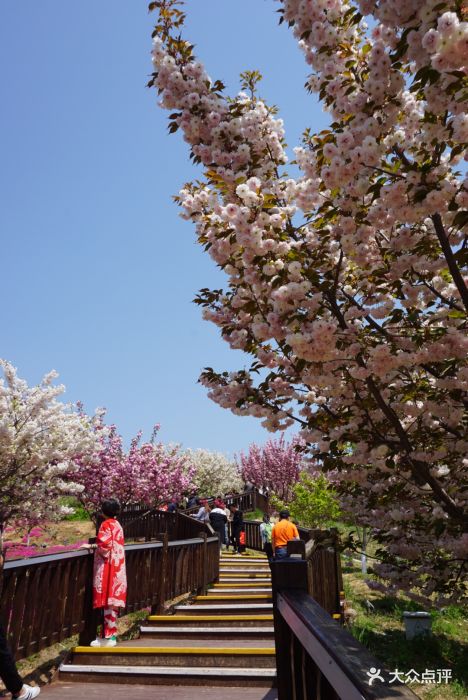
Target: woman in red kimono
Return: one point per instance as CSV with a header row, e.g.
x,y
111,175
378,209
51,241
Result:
x,y
109,576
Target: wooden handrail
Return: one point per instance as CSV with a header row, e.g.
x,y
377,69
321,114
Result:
x,y
316,657
43,558
150,523
337,656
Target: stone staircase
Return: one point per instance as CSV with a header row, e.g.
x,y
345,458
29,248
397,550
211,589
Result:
x,y
224,638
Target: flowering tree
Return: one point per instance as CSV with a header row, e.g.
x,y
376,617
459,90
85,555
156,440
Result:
x,y
354,314
274,466
214,474
39,438
149,473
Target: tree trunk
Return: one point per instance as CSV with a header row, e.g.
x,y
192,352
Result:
x,y
364,551
2,557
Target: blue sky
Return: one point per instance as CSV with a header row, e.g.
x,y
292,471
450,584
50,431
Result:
x,y
98,270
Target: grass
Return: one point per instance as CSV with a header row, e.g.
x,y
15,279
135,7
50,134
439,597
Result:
x,y
382,632
79,514
256,514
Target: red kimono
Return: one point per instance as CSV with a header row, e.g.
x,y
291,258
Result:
x,y
110,578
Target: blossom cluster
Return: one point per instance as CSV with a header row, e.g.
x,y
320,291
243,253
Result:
x,y
148,472
213,473
275,466
14,550
346,284
40,437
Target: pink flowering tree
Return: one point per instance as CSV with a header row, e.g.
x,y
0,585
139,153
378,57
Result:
x,y
149,472
274,466
346,284
39,439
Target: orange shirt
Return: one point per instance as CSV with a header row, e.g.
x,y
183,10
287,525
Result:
x,y
283,532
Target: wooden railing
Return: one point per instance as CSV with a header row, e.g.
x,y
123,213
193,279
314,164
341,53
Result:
x,y
252,535
254,541
316,657
142,522
247,502
48,598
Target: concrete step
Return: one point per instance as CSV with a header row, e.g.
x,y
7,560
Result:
x,y
244,578
240,598
169,675
240,585
59,690
206,656
239,642
247,553
247,572
207,633
240,608
238,590
241,557
238,561
264,619
244,570
245,561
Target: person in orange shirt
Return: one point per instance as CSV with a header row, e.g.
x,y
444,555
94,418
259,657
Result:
x,y
282,532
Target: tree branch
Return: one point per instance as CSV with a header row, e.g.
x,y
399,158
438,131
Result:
x,y
450,258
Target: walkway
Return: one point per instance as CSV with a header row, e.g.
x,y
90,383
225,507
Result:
x,y
222,639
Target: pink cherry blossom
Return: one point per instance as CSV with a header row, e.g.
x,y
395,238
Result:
x,y
345,284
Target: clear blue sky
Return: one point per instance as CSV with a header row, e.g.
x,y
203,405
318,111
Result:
x,y
98,271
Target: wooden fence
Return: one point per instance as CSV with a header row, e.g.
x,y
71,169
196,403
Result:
x,y
48,598
141,522
247,502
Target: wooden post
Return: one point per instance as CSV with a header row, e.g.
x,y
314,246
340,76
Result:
x,y
339,576
92,616
286,575
158,609
202,590
296,549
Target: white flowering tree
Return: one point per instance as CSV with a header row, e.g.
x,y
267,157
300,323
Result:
x,y
213,473
39,438
346,284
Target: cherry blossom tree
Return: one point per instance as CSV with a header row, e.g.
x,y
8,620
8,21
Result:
x,y
39,438
274,466
346,284
214,474
148,472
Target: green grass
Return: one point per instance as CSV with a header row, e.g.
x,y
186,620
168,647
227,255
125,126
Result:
x,y
79,514
382,632
256,514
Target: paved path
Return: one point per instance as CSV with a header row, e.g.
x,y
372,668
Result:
x,y
97,691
